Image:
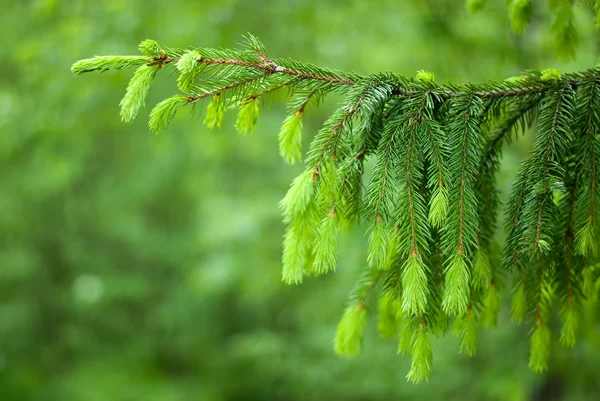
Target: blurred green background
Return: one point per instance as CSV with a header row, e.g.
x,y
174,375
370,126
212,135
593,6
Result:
x,y
143,267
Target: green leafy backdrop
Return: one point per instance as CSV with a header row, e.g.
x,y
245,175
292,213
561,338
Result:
x,y
136,266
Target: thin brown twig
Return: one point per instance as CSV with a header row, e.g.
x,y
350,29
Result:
x,y
268,66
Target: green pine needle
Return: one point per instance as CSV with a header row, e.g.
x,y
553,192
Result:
x,y
405,337
107,63
215,111
586,240
466,329
378,246
456,293
391,252
137,90
294,254
247,116
164,112
188,62
539,352
303,220
421,357
570,324
326,245
415,290
438,208
290,138
189,69
482,270
150,48
297,198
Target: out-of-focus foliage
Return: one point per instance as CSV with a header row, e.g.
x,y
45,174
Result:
x,y
135,266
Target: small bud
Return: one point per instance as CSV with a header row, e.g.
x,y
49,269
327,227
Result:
x,y
150,48
550,74
425,76
187,62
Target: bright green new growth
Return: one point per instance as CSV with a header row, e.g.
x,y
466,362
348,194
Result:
x,y
466,327
491,307
349,334
518,307
438,208
163,113
430,203
108,63
215,112
540,348
425,76
482,270
150,48
422,354
298,196
247,116
137,90
326,245
414,285
290,138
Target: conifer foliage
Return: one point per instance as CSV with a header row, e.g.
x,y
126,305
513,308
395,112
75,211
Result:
x,y
430,202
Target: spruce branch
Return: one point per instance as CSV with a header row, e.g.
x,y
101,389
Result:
x,y
432,199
